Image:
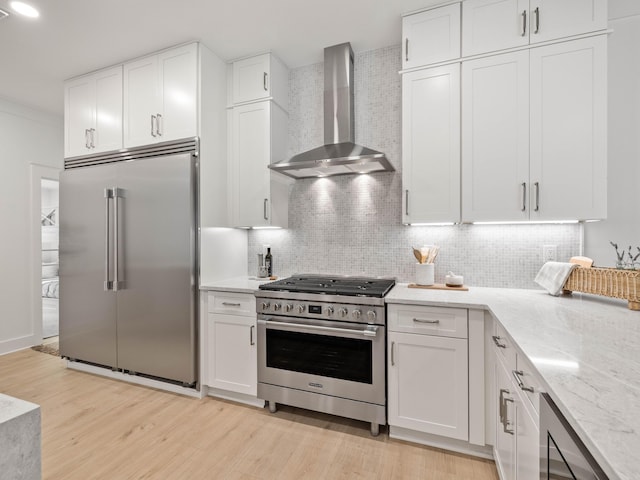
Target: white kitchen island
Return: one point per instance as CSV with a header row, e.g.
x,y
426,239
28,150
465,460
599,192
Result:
x,y
20,450
587,351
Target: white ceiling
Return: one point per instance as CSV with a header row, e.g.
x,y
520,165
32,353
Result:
x,y
73,37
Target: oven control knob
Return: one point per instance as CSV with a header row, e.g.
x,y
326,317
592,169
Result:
x,y
356,314
300,308
371,315
276,307
265,305
329,311
288,307
343,312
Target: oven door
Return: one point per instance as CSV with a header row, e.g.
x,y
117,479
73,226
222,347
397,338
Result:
x,y
340,359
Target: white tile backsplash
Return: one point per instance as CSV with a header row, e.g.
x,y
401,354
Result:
x,y
352,225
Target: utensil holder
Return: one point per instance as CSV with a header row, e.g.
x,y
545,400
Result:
x,y
425,274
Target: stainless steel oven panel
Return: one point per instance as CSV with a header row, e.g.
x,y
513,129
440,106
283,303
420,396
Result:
x,y
372,393
319,297
562,454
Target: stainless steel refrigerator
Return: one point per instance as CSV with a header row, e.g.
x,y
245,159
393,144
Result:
x,y
128,261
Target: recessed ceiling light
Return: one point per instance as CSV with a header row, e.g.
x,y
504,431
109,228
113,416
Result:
x,y
25,9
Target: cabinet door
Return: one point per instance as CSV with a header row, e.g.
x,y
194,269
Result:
x,y
495,138
250,156
490,25
79,114
428,384
569,130
431,145
233,361
108,104
431,37
505,444
251,78
178,78
141,102
551,19
527,440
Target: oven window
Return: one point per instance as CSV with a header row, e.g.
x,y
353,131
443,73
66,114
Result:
x,y
323,355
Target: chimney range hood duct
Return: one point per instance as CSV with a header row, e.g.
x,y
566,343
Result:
x,y
340,155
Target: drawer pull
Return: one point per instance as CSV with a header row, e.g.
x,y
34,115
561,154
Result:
x,y
517,374
229,304
420,320
496,340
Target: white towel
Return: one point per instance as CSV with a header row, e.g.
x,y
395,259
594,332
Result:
x,y
553,275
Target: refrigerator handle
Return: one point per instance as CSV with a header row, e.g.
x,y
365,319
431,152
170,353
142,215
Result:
x,y
117,193
108,195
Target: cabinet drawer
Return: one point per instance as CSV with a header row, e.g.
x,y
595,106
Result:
x,y
529,381
504,346
439,321
232,303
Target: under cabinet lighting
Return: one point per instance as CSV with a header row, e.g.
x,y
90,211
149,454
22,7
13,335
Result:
x,y
24,9
436,224
530,222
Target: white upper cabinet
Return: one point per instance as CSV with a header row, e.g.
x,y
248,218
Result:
x,y
161,97
534,134
431,36
431,145
93,113
259,197
568,151
491,25
495,138
262,77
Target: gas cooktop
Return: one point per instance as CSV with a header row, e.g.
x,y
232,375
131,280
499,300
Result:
x,y
333,285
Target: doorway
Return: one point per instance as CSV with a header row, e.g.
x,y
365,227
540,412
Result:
x,y
49,213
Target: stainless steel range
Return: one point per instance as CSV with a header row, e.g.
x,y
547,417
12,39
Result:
x,y
321,345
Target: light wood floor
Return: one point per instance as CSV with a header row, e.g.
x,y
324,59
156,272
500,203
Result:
x,y
97,428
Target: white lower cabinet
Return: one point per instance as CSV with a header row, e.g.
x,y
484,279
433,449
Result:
x,y
231,343
427,376
516,448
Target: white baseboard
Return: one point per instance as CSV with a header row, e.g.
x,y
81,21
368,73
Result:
x,y
444,443
15,344
138,380
234,397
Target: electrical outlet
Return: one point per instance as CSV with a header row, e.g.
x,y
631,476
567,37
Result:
x,y
549,253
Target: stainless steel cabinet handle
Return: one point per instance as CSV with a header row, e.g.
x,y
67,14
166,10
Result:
x,y
496,340
116,239
86,138
517,374
251,342
108,195
420,320
501,404
153,128
264,82
265,214
158,129
537,188
93,137
393,360
369,331
524,23
406,49
537,13
229,304
524,196
406,202
506,422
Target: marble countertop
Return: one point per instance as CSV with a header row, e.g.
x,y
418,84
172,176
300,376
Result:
x,y
587,350
237,285
11,408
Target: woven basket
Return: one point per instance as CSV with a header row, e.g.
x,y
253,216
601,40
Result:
x,y
609,282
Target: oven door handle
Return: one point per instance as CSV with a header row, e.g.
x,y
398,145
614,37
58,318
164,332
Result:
x,y
370,331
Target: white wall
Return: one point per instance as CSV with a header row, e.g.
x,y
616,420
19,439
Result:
x,y
27,137
623,220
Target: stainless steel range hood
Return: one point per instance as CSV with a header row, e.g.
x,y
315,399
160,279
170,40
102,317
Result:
x,y
340,155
